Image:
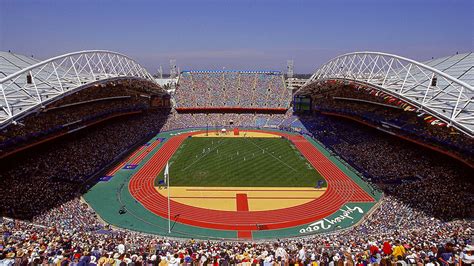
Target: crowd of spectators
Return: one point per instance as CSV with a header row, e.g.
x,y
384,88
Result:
x,y
237,89
429,181
37,179
394,234
381,110
410,216
425,217
226,119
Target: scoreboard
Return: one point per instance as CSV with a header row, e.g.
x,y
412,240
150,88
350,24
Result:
x,y
301,103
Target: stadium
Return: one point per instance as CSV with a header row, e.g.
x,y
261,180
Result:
x,y
367,160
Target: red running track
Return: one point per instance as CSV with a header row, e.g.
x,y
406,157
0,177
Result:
x,y
142,155
341,189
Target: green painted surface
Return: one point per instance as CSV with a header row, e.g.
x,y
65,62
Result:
x,y
107,198
347,216
240,162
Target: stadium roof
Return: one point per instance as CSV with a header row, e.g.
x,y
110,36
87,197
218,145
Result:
x,y
460,66
11,63
27,83
442,87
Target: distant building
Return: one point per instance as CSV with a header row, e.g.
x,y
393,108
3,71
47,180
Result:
x,y
294,83
167,83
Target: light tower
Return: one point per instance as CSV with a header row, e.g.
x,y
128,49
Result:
x,y
289,67
172,68
160,72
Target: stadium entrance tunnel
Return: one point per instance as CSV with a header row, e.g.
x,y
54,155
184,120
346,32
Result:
x,y
229,212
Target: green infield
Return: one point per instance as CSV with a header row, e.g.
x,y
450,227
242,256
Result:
x,y
240,162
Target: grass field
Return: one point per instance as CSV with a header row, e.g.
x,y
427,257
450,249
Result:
x,y
240,162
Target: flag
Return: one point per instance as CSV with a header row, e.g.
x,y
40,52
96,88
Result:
x,y
167,173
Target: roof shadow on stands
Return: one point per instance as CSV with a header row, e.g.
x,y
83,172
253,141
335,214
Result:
x,y
426,180
44,176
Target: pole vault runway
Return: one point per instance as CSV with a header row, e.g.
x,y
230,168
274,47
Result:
x,y
244,215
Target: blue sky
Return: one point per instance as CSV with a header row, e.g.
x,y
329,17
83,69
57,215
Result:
x,y
243,34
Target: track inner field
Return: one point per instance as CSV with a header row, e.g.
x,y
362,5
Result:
x,y
240,162
341,189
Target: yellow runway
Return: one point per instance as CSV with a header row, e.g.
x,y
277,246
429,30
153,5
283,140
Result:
x,y
259,198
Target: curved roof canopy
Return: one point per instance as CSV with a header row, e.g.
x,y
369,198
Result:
x,y
442,87
27,83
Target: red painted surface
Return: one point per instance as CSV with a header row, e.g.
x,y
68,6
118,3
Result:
x,y
341,189
244,234
242,206
242,202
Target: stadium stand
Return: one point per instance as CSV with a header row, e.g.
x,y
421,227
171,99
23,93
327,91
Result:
x,y
76,156
397,166
405,215
68,245
232,90
392,115
425,217
225,119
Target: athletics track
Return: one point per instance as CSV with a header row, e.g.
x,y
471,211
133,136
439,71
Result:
x,y
341,190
